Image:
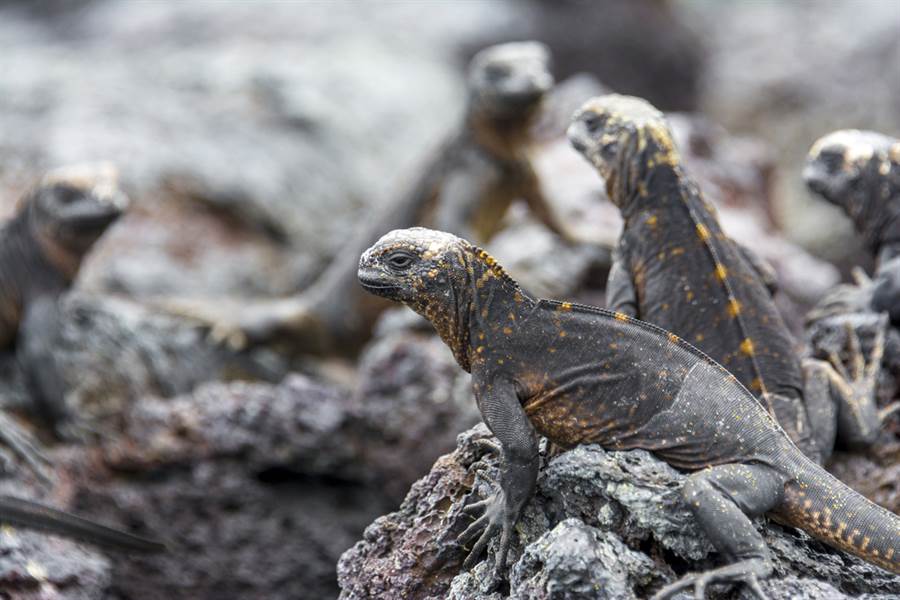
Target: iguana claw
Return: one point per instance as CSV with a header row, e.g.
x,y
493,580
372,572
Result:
x,y
494,520
488,446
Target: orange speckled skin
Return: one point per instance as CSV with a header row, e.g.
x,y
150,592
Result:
x,y
579,374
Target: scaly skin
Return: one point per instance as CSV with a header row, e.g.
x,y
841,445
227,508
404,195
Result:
x,y
41,249
676,268
466,188
578,375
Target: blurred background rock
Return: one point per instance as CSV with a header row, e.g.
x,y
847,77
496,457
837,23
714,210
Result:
x,y
253,137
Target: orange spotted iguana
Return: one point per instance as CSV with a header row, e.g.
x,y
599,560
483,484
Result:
x,y
583,375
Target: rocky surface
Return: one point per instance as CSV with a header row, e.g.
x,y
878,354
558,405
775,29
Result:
x,y
35,565
231,476
293,472
410,402
602,525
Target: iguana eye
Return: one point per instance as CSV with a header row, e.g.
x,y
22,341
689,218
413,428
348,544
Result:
x,y
592,122
400,261
832,160
496,72
65,194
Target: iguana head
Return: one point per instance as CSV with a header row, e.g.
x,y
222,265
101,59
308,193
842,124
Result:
x,y
859,171
509,80
624,138
437,274
71,208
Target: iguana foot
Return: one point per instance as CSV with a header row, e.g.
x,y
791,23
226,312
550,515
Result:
x,y
488,446
859,373
22,446
749,572
494,519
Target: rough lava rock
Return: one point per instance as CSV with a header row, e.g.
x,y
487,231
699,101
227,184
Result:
x,y
249,485
591,507
34,565
410,401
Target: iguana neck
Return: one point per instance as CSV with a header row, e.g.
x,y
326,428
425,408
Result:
x,y
502,138
641,189
875,210
476,305
28,248
647,168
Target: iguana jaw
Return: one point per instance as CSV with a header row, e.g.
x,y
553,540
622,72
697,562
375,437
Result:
x,y
373,284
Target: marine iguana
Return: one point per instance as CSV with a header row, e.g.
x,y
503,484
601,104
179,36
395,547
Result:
x,y
466,188
859,171
578,374
41,250
677,269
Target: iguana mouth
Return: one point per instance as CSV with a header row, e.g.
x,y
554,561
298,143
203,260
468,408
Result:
x,y
377,287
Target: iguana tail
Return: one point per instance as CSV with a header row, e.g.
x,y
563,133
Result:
x,y
31,515
825,508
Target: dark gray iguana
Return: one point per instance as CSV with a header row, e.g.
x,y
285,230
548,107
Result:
x,y
578,374
41,250
859,171
466,188
675,268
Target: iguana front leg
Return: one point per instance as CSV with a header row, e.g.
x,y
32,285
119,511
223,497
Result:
x,y
43,377
503,414
840,394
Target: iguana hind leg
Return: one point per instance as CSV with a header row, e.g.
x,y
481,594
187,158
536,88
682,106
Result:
x,y
723,500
